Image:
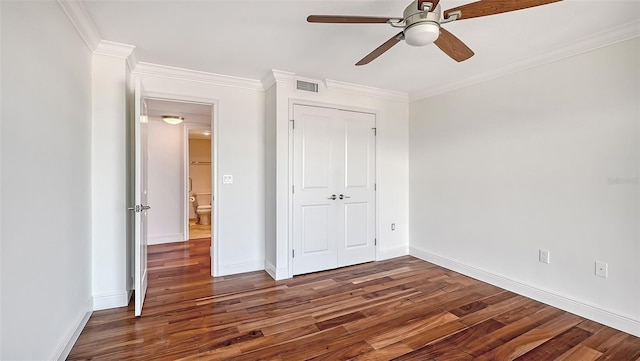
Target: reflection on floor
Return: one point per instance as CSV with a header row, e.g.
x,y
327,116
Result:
x,y
197,231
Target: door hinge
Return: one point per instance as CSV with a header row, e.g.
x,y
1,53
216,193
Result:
x,y
375,186
375,131
375,241
293,123
293,253
293,189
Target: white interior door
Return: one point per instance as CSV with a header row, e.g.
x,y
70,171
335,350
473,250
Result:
x,y
356,199
334,194
140,197
315,190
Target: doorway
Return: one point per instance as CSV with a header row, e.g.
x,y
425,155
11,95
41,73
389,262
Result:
x,y
181,178
199,185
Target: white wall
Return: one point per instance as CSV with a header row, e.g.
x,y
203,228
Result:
x,y
270,180
199,169
547,158
165,182
46,185
111,253
240,127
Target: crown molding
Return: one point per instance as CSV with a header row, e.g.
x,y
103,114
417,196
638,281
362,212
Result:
x,y
77,14
143,68
609,37
116,50
357,89
275,76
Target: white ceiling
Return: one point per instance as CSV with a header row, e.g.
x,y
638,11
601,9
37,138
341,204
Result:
x,y
249,38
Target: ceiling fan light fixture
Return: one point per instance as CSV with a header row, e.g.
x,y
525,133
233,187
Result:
x,y
422,33
172,119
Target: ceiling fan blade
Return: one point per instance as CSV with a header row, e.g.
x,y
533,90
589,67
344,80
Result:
x,y
434,3
382,49
490,7
453,46
343,19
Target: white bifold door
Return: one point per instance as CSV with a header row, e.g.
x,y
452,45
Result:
x,y
333,188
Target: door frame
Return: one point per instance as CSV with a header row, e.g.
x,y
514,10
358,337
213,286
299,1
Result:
x,y
311,103
215,243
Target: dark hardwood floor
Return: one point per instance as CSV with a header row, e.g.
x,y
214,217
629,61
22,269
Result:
x,y
401,309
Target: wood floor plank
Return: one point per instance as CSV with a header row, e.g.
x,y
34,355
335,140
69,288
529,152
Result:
x,y
580,353
403,308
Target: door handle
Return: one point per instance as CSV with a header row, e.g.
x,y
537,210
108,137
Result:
x,y
342,196
138,208
333,197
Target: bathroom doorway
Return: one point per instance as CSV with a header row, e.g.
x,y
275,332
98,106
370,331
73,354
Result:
x,y
199,185
181,167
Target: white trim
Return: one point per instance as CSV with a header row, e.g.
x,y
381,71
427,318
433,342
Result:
x,y
609,37
392,252
275,76
116,50
276,274
77,14
624,323
236,268
72,334
339,86
110,300
168,238
143,68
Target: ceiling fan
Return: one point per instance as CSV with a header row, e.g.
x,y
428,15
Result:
x,y
422,20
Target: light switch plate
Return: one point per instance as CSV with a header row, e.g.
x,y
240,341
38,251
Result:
x,y
227,179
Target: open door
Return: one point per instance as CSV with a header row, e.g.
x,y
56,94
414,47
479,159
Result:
x,y
140,197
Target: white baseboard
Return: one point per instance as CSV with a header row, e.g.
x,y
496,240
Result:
x,y
169,238
72,334
111,300
621,322
392,253
276,274
232,269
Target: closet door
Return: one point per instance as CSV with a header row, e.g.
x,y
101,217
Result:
x,y
315,189
356,198
333,188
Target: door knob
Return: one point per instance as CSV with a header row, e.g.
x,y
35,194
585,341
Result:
x,y
144,208
342,196
333,197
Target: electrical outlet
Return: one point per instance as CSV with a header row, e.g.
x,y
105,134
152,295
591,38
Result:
x,y
544,256
602,269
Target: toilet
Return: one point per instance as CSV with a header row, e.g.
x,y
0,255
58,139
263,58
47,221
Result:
x,y
202,207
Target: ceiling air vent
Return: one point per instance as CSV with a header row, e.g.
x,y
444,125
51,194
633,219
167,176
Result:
x,y
307,86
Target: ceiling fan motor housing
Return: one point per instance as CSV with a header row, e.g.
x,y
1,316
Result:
x,y
421,27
